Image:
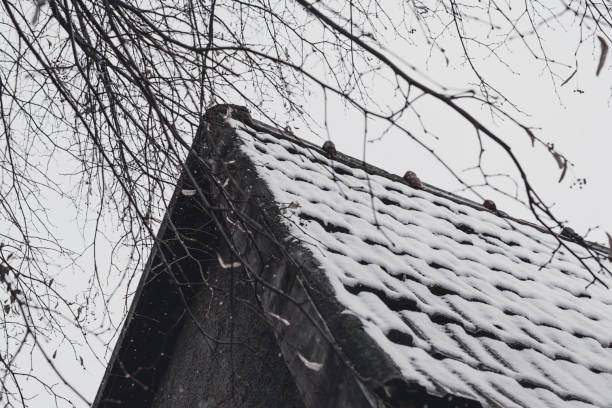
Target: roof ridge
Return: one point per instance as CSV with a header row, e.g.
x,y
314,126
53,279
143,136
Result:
x,y
242,114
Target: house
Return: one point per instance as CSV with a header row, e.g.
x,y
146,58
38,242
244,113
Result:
x,y
288,275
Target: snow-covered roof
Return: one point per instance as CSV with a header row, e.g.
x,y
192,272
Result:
x,y
464,302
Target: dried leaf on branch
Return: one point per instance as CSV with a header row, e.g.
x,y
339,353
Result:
x,y
603,54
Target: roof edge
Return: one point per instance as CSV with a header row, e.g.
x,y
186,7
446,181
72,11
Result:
x,y
245,117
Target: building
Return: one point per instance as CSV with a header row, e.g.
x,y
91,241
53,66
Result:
x,y
288,275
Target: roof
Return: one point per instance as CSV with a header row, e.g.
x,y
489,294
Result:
x,y
465,302
413,297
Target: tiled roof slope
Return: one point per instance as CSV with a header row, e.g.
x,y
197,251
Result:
x,y
465,302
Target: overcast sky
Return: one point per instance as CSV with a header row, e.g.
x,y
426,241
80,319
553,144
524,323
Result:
x,y
576,118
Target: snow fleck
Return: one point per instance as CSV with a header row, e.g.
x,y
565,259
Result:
x,y
310,364
279,318
225,265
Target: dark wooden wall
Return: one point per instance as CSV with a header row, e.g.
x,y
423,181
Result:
x,y
227,356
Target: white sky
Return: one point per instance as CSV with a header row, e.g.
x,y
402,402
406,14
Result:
x,y
578,123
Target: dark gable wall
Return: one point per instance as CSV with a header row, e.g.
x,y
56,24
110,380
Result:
x,y
225,353
170,280
165,358
243,368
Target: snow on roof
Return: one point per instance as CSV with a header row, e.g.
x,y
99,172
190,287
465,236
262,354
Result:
x,y
465,302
